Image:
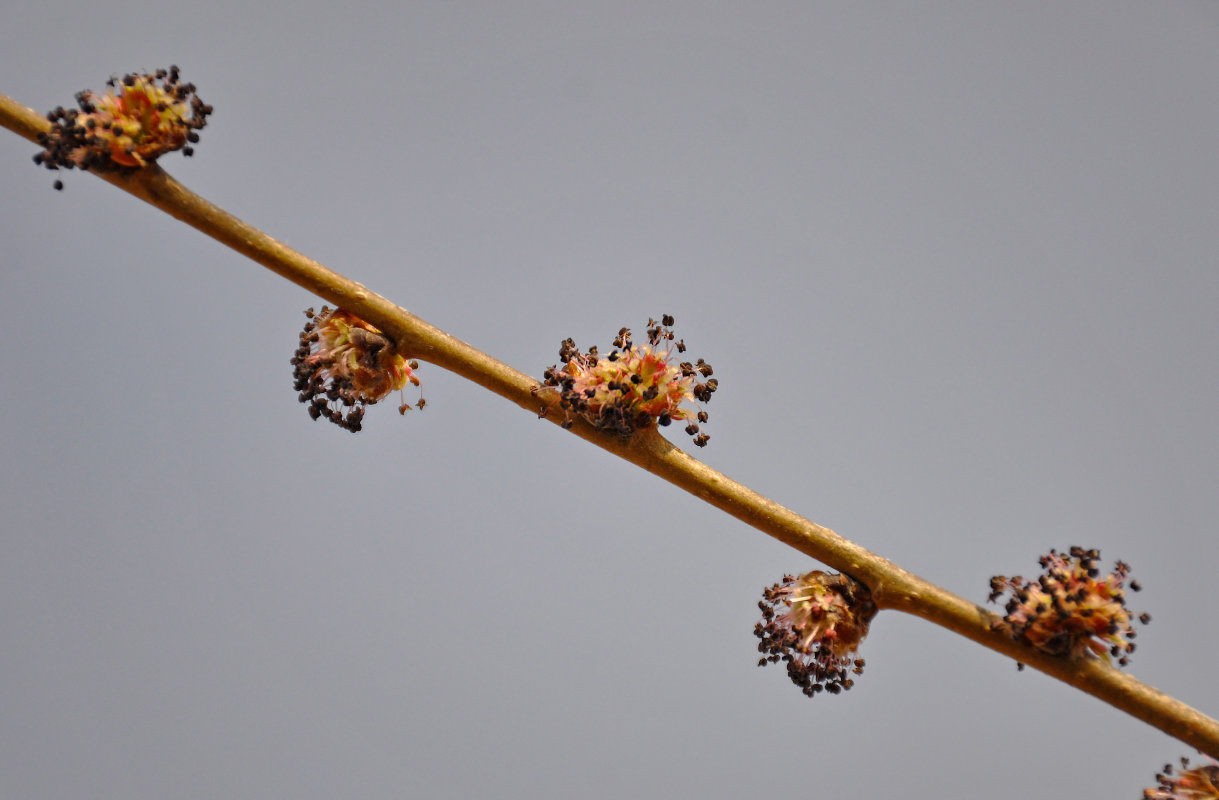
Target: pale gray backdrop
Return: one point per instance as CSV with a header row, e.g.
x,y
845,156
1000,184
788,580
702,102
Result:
x,y
955,265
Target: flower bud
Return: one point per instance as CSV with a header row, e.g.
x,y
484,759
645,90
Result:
x,y
1199,783
137,120
634,386
1070,610
815,624
344,364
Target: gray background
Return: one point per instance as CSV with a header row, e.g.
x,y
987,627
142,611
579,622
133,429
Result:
x,y
954,264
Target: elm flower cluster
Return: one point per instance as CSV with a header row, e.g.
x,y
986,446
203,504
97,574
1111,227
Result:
x,y
1199,783
131,125
1071,610
815,624
634,385
344,364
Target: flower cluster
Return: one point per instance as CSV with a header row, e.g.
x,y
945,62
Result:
x,y
1071,610
344,364
138,119
634,386
1199,783
815,623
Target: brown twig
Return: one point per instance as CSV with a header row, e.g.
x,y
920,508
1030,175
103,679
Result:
x,y
891,586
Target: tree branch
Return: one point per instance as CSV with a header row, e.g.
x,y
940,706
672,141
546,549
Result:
x,y
891,586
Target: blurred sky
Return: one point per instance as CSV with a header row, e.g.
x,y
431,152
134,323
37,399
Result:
x,y
955,265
